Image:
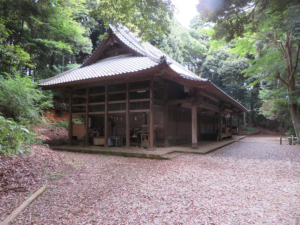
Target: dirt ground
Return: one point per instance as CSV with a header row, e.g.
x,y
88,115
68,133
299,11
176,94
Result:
x,y
243,183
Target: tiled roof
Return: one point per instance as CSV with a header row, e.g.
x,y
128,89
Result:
x,y
150,57
106,67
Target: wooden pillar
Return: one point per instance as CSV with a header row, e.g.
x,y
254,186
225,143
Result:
x,y
70,119
194,126
230,123
245,120
238,133
127,117
87,117
166,117
220,126
106,117
151,115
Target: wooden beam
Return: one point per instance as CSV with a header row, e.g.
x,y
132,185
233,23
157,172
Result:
x,y
139,89
116,92
178,101
106,117
210,96
139,110
166,118
230,122
140,100
116,102
70,119
87,117
209,106
97,103
194,126
96,113
78,105
127,117
97,94
220,126
117,111
78,96
160,80
238,131
151,115
79,113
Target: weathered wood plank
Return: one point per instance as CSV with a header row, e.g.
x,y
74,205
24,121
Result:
x,y
127,117
166,117
87,117
194,126
139,89
70,119
210,96
151,115
139,110
106,117
117,111
178,101
209,106
97,103
140,100
17,211
220,126
116,102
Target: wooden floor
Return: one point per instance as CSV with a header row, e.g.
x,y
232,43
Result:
x,y
159,153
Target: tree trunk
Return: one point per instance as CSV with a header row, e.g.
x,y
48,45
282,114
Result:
x,y
294,114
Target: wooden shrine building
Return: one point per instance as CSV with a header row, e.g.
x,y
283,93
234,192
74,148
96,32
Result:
x,y
128,91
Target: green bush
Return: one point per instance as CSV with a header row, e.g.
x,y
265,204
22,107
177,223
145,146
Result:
x,y
291,132
14,138
62,123
250,130
22,99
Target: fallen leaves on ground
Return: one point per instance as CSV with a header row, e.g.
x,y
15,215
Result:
x,y
243,183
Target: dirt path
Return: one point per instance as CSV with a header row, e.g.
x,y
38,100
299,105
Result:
x,y
242,183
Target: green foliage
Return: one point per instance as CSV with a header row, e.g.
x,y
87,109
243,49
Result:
x,y
250,130
290,132
22,99
150,18
225,70
65,123
78,120
186,46
14,137
61,124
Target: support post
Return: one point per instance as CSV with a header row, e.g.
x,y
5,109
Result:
x,y
87,117
127,117
220,126
70,119
106,117
245,120
151,115
230,123
238,133
194,126
166,117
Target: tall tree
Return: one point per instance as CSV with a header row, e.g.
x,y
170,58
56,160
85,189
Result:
x,y
186,46
274,26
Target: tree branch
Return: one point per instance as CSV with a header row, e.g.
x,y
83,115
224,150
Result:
x,y
297,57
282,81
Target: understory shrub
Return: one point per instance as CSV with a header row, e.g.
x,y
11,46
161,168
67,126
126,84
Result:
x,y
250,130
14,138
22,99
